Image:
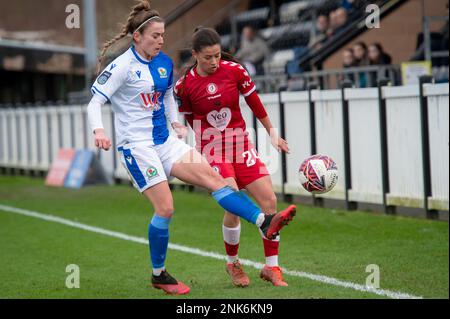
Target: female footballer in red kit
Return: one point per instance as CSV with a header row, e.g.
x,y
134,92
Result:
x,y
208,96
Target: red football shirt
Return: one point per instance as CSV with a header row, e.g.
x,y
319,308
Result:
x,y
213,102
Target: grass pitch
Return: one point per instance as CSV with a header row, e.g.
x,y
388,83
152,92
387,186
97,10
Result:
x,y
412,254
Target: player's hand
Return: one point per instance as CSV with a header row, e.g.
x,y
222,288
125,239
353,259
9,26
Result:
x,y
180,129
280,144
101,140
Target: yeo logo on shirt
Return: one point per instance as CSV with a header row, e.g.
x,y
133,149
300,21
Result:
x,y
221,119
151,101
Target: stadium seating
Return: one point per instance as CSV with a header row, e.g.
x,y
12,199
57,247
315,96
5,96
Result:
x,y
288,36
288,32
257,18
276,63
292,12
285,39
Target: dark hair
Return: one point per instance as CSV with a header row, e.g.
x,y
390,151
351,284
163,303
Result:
x,y
362,45
348,50
383,57
139,14
378,46
205,37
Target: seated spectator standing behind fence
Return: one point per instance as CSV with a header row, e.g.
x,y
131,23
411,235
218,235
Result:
x,y
332,23
348,62
320,35
377,56
347,4
253,50
338,21
341,20
360,54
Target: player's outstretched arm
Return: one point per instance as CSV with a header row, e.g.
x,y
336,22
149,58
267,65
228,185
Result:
x,y
280,144
255,104
94,113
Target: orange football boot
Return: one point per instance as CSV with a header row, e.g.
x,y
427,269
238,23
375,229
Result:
x,y
237,274
274,275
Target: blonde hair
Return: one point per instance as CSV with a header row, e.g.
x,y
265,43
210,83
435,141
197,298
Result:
x,y
140,13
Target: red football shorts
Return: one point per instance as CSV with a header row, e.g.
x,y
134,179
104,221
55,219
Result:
x,y
242,162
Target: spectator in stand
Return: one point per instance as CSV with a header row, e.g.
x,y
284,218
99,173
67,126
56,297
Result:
x,y
348,60
347,4
351,5
377,56
253,50
322,25
338,21
360,54
341,20
333,24
361,60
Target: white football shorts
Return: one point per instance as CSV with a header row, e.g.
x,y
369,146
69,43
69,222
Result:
x,y
148,165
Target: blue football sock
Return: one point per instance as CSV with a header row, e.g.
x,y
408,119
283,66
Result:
x,y
237,203
158,238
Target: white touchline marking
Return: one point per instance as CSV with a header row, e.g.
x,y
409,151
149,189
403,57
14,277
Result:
x,y
196,251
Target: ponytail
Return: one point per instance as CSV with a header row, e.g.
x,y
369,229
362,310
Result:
x,y
140,13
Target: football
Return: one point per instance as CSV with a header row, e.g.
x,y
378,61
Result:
x,y
318,174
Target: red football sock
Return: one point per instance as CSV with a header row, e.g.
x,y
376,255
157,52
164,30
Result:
x,y
231,239
271,251
232,250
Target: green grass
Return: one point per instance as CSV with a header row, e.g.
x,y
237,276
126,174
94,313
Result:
x,y
412,253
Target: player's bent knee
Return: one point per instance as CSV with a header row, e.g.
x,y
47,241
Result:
x,y
165,210
269,204
231,220
235,219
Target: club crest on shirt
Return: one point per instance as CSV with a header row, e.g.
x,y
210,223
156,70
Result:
x,y
103,77
151,101
211,88
162,73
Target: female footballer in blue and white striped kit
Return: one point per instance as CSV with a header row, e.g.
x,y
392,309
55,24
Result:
x,y
139,84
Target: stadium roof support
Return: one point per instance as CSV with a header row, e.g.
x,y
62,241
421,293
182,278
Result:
x,y
90,39
41,46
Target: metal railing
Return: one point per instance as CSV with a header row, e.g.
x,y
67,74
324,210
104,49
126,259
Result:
x,y
429,54
360,77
